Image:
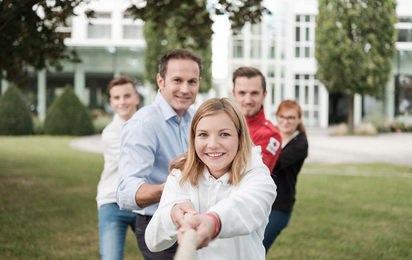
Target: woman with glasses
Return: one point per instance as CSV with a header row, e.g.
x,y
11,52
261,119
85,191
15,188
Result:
x,y
291,158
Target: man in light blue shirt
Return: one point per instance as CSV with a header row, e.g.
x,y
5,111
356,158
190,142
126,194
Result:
x,y
153,137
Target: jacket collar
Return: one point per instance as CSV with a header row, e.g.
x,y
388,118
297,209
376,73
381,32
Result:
x,y
258,117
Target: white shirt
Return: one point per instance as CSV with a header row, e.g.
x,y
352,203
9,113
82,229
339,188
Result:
x,y
106,189
243,210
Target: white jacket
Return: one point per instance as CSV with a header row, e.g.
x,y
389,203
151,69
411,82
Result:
x,y
243,210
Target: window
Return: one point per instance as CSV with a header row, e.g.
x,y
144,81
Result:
x,y
271,71
316,117
272,50
306,95
282,91
255,52
297,93
307,18
306,76
104,15
297,52
316,95
405,20
238,49
405,35
99,31
307,34
132,32
307,52
297,18
282,72
297,76
297,34
273,93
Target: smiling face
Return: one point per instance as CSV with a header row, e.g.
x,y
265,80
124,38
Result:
x,y
288,121
124,100
248,93
216,143
181,84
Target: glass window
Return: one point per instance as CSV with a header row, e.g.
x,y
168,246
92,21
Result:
x,y
255,52
297,18
306,95
282,91
405,35
256,29
316,118
127,15
307,34
297,93
316,95
273,93
405,20
132,32
296,76
306,76
282,72
307,52
271,71
297,34
297,52
403,100
272,50
103,15
307,18
238,49
99,31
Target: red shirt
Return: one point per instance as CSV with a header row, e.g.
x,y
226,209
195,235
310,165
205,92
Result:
x,y
265,134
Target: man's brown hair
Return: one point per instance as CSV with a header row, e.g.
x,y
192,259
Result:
x,y
178,54
121,80
249,72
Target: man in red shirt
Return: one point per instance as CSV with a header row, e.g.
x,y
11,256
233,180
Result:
x,y
249,92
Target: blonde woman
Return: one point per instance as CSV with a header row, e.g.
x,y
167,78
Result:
x,y
227,183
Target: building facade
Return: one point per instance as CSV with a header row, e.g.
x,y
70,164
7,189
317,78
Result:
x,y
283,48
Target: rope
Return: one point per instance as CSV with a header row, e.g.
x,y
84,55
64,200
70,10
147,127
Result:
x,y
187,247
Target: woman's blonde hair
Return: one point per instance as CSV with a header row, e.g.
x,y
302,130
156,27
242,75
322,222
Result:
x,y
292,104
189,163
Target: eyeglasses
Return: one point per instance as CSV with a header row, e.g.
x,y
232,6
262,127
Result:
x,y
289,118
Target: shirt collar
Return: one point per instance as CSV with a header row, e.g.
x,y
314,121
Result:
x,y
224,179
167,111
258,117
290,139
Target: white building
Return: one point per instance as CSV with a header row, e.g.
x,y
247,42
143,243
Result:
x,y
283,48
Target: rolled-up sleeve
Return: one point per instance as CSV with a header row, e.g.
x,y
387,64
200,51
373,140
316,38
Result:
x,y
138,146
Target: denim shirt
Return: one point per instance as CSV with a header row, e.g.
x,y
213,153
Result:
x,y
150,140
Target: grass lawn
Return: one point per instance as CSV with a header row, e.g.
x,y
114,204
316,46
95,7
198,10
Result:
x,y
48,208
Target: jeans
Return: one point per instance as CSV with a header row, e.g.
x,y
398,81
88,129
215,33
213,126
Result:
x,y
278,220
113,224
141,224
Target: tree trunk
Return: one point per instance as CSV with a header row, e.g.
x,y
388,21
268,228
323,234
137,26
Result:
x,y
351,126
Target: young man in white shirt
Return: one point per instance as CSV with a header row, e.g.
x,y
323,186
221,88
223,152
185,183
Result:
x,y
113,222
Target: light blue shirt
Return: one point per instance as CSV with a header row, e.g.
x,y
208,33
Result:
x,y
150,140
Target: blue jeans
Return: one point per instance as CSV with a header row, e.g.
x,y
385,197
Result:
x,y
278,220
113,224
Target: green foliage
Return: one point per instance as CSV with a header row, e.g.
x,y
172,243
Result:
x,y
15,117
68,116
30,39
355,45
187,24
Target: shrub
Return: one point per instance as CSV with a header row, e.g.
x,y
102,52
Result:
x,y
15,116
38,126
68,116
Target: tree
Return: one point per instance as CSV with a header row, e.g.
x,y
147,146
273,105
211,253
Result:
x,y
68,116
15,116
172,24
29,37
355,47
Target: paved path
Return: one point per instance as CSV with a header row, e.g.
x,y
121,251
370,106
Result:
x,y
386,148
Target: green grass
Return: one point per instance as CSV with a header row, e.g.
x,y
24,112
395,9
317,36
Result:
x,y
48,208
47,200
